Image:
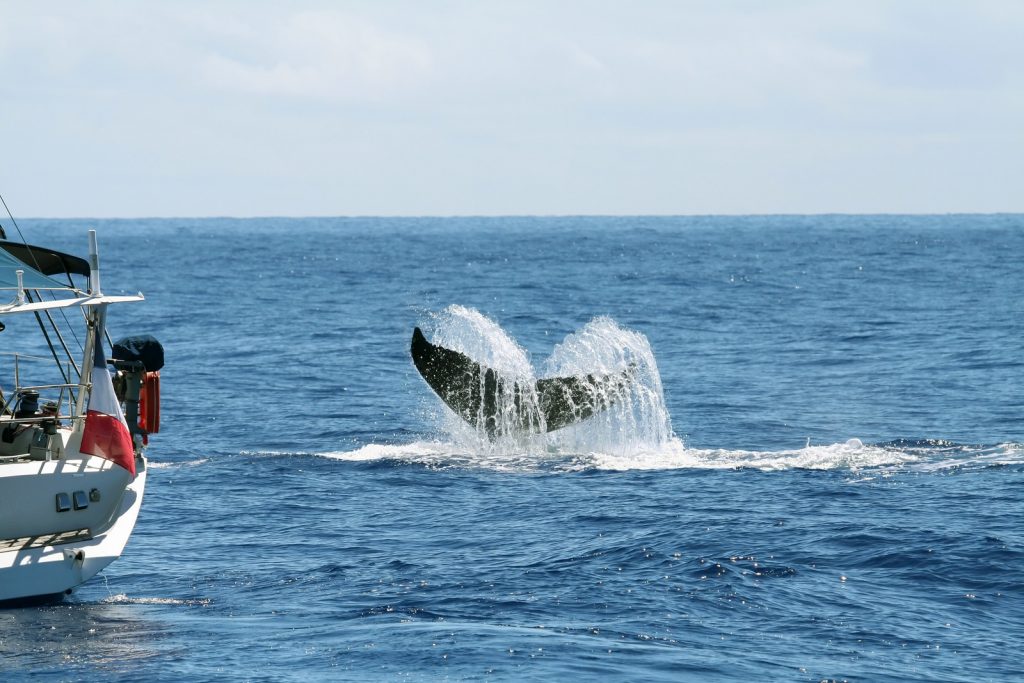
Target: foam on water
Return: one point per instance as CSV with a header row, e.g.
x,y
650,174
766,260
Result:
x,y
162,465
956,456
122,599
446,455
850,455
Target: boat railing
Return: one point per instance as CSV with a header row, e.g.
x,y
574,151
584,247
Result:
x,y
69,367
65,396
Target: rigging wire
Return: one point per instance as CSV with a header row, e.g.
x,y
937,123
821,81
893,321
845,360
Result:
x,y
46,335
11,215
53,297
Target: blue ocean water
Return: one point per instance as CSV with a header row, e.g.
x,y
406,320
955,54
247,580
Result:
x,y
841,500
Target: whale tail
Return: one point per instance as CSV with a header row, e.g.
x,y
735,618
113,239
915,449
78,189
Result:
x,y
472,390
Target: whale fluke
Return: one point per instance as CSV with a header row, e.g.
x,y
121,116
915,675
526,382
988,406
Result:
x,y
472,390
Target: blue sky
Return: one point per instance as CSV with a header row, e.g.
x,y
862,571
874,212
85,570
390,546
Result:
x,y
464,108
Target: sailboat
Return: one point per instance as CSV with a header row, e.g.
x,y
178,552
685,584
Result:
x,y
73,424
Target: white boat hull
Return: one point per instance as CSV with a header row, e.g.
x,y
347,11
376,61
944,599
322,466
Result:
x,y
72,473
56,568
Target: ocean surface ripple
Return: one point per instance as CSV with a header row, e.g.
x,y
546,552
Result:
x,y
821,481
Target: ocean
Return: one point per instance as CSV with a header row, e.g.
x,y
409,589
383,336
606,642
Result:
x,y
819,477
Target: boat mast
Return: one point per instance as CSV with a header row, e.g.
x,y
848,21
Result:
x,y
95,317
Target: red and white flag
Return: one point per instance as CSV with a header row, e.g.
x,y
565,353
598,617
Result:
x,y
106,432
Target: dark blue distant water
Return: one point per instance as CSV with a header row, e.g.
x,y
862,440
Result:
x,y
844,498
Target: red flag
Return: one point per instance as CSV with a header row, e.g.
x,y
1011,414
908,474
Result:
x,y
106,433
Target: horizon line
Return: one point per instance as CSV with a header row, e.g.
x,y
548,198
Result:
x,y
528,215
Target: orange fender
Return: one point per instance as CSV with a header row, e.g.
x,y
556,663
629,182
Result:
x,y
149,403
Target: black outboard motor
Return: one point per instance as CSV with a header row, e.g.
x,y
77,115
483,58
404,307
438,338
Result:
x,y
142,348
137,359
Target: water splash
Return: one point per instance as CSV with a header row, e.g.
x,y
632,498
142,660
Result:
x,y
469,331
635,420
518,422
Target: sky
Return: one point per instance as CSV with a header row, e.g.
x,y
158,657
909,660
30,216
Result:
x,y
404,108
